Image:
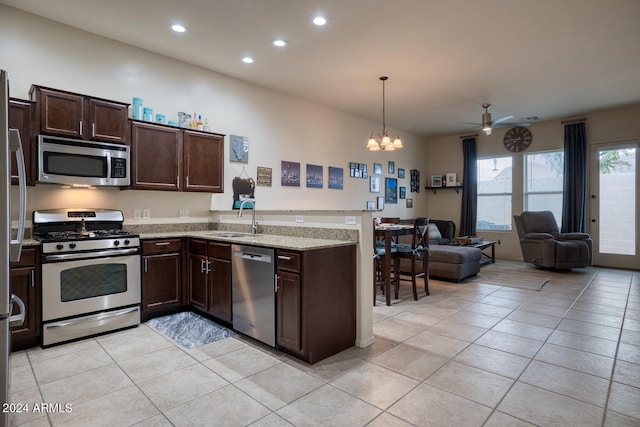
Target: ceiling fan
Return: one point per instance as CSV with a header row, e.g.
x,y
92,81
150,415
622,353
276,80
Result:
x,y
487,124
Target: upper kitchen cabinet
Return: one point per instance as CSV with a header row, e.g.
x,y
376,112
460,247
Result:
x,y
169,158
74,115
21,118
203,162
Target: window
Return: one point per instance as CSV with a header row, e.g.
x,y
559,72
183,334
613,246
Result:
x,y
494,194
543,182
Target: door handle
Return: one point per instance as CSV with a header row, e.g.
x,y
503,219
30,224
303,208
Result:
x,y
17,319
16,145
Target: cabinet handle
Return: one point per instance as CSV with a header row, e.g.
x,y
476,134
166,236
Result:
x,y
93,130
80,127
208,266
187,184
202,261
163,243
275,283
286,258
146,265
33,279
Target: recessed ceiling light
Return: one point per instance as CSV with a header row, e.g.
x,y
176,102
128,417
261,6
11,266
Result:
x,y
179,28
247,60
279,42
320,20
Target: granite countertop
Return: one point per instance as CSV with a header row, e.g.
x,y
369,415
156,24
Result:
x,y
266,240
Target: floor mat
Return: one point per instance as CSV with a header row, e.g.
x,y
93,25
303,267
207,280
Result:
x,y
189,329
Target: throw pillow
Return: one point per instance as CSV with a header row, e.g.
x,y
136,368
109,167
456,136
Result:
x,y
434,233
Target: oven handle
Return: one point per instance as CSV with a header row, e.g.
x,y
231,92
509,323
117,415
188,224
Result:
x,y
87,255
95,318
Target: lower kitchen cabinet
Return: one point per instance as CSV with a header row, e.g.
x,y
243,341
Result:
x,y
316,301
25,284
161,277
210,278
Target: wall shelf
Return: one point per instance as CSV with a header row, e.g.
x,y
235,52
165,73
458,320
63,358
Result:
x,y
435,189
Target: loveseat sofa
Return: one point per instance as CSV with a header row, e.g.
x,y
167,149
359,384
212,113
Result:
x,y
445,261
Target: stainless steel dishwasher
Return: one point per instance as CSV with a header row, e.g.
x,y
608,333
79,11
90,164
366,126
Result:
x,y
253,290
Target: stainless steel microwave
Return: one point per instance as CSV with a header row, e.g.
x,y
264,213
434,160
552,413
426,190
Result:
x,y
79,162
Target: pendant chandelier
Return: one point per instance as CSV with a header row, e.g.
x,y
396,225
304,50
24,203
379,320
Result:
x,y
379,141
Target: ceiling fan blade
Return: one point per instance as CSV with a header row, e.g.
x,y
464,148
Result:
x,y
502,119
510,124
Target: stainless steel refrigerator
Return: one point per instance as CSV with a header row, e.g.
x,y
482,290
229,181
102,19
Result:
x,y
9,143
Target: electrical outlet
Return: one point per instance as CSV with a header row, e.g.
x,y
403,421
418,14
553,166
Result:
x,y
299,218
137,214
350,220
146,213
184,213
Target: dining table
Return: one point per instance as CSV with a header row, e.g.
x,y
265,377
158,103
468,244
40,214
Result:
x,y
387,232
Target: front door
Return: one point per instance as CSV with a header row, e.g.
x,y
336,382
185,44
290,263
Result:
x,y
614,205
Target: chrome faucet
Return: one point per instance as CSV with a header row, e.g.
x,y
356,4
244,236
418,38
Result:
x,y
254,224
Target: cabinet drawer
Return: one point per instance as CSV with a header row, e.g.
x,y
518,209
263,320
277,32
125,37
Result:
x,y
289,260
220,250
198,247
27,258
161,246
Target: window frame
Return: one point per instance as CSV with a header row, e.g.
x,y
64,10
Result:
x,y
508,225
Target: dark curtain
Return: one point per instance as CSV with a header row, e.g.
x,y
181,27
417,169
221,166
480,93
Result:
x,y
469,188
574,200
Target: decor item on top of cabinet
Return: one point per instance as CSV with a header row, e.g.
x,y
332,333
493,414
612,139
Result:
x,y
392,167
336,178
377,168
264,176
243,188
239,149
451,180
314,176
409,203
391,190
403,192
374,184
400,172
415,180
436,180
358,170
289,174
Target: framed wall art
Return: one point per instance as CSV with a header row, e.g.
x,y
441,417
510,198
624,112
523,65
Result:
x,y
377,168
400,172
336,178
392,167
314,176
374,184
403,192
371,205
289,174
436,180
451,180
264,176
380,200
391,190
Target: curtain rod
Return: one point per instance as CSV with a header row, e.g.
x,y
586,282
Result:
x,y
468,136
566,122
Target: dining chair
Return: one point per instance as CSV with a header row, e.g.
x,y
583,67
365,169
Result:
x,y
417,251
379,273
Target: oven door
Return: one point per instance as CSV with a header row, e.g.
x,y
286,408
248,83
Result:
x,y
76,287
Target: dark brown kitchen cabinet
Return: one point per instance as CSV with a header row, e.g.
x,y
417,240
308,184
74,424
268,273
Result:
x,y
169,158
156,157
210,277
73,115
203,162
316,317
25,284
21,117
161,276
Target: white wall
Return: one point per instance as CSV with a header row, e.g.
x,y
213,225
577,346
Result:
x,y
279,127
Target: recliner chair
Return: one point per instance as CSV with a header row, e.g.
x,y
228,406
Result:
x,y
543,245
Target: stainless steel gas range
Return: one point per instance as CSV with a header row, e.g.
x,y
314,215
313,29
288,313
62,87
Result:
x,y
90,273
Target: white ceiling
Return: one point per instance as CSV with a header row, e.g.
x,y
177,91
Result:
x,y
444,58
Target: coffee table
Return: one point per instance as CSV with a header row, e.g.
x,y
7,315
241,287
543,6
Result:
x,y
485,244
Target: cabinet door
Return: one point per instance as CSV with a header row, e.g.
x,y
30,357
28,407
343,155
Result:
x,y
20,117
289,311
61,113
156,162
161,280
23,285
198,268
108,121
220,302
203,162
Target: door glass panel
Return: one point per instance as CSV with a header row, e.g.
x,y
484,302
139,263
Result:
x,y
617,183
92,281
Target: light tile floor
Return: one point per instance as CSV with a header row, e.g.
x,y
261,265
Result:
x,y
468,355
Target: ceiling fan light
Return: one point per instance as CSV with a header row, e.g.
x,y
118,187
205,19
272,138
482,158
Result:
x,y
487,131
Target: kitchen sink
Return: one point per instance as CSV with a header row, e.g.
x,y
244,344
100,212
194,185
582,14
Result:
x,y
229,234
